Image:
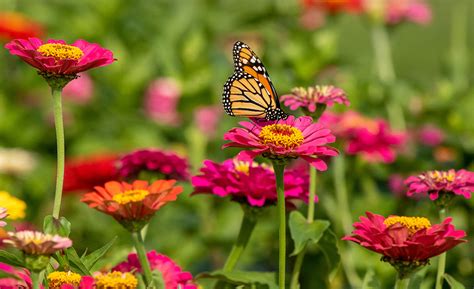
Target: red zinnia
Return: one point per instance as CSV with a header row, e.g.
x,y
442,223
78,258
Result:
x,y
334,6
14,25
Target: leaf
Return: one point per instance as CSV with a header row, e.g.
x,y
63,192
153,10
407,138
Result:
x,y
158,281
453,283
4,274
303,232
90,260
61,226
328,247
370,281
258,280
14,259
75,262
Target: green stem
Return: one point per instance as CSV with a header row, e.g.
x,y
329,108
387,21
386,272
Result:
x,y
299,259
141,252
35,279
246,228
441,258
58,123
402,283
279,169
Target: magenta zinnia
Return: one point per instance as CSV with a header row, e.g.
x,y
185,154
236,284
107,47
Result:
x,y
289,138
441,183
405,242
310,98
236,178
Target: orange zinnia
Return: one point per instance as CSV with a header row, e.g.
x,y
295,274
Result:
x,y
132,205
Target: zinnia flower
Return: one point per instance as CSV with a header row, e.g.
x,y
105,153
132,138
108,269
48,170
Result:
x,y
396,185
87,282
15,25
37,243
167,164
310,98
173,276
15,161
3,215
132,205
23,279
289,138
405,242
430,135
15,207
57,279
335,6
416,11
207,119
115,280
79,90
161,101
86,172
236,178
442,184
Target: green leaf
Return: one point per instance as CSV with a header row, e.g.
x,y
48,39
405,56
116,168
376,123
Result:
x,y
61,226
303,232
370,281
453,283
90,260
4,274
76,263
14,259
248,280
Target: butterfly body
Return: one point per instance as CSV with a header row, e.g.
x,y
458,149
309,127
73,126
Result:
x,y
249,92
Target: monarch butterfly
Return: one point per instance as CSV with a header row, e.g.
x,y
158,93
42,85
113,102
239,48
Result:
x,y
249,92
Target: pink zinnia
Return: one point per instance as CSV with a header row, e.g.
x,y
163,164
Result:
x,y
289,138
396,185
168,164
430,135
207,119
79,90
416,11
405,241
161,101
236,178
435,182
310,98
58,58
173,276
23,281
371,138
3,215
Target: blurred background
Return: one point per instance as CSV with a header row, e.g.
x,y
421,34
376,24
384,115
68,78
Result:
x,y
165,92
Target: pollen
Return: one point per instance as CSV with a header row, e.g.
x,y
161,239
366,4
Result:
x,y
130,196
56,279
60,51
242,166
438,176
413,224
116,280
281,135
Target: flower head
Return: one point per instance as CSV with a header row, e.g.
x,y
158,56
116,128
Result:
x,y
23,279
207,119
236,178
37,243
405,242
115,280
79,90
173,276
15,25
3,215
133,204
290,138
87,282
161,101
168,164
57,279
15,207
441,184
310,98
416,11
334,6
86,172
15,161
430,135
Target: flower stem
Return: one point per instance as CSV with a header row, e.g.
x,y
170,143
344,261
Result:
x,y
58,123
141,252
441,258
299,259
35,279
279,169
246,229
402,283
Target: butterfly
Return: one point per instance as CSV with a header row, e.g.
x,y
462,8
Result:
x,y
249,92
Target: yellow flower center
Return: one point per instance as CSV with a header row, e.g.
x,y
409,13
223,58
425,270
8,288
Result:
x,y
438,176
15,207
413,224
57,279
130,196
60,51
282,135
241,166
116,280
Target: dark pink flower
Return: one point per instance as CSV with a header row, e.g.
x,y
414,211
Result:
x,y
435,182
396,185
23,281
289,138
416,11
168,164
207,119
161,101
406,239
371,138
430,135
58,58
79,90
312,96
173,276
236,179
87,282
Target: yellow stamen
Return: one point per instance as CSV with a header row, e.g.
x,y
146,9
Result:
x,y
438,176
57,279
241,166
282,135
130,196
413,224
116,280
60,51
